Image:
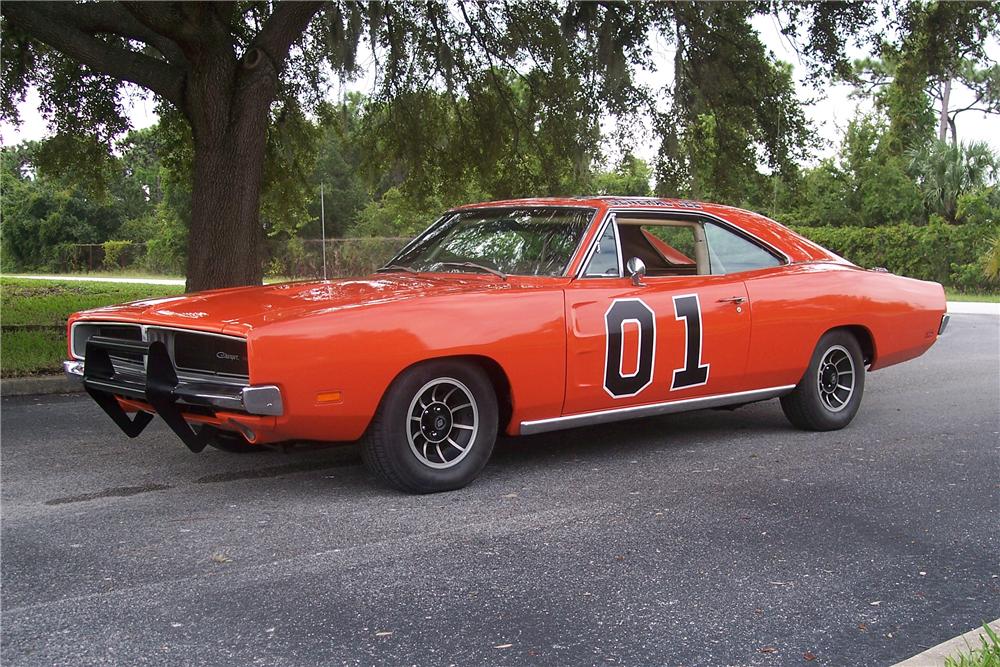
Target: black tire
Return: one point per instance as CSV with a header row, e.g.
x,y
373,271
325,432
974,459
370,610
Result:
x,y
402,432
234,443
814,405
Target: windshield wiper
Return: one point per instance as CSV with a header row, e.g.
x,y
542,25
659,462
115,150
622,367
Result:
x,y
473,265
396,267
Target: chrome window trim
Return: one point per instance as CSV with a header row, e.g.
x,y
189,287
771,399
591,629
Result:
x,y
684,214
612,220
589,252
532,427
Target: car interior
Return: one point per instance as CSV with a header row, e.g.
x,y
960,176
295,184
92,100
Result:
x,y
678,247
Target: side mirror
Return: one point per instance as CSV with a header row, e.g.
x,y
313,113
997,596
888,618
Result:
x,y
637,270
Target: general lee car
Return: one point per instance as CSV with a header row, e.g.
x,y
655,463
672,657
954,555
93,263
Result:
x,y
519,316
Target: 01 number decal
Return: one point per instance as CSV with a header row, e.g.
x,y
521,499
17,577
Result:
x,y
621,384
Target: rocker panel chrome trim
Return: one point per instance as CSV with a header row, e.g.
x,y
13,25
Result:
x,y
634,412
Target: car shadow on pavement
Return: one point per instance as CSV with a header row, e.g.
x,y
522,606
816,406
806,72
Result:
x,y
303,469
610,441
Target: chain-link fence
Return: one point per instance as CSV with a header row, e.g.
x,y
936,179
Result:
x,y
110,256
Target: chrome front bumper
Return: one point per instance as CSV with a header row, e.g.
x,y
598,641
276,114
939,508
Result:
x,y
156,382
255,400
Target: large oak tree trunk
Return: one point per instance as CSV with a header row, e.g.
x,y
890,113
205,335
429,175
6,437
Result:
x,y
229,124
225,237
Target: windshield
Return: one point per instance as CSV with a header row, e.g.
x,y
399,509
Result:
x,y
533,241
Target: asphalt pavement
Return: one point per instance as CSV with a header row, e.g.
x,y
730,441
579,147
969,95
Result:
x,y
710,538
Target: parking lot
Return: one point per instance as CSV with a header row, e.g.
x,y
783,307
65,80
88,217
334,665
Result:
x,y
716,537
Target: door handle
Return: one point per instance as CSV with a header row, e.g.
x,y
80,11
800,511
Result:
x,y
733,299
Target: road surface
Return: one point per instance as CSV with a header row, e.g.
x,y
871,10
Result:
x,y
717,537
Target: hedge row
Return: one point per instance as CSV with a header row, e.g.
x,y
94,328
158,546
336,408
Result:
x,y
953,255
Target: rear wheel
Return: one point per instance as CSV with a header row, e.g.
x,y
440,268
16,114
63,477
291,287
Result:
x,y
829,394
435,428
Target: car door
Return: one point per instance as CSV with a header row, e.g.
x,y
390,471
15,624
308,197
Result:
x,y
673,337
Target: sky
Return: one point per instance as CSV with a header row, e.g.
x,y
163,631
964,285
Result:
x,y
830,110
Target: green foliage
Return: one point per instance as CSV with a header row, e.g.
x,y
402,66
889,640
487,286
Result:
x,y
629,179
946,172
166,249
507,136
395,214
292,148
986,654
40,212
948,254
732,107
338,169
991,260
866,185
115,253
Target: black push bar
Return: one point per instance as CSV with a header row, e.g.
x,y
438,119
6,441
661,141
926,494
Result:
x,y
103,383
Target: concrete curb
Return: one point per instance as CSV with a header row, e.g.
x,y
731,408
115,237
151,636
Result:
x,y
935,656
45,384
973,308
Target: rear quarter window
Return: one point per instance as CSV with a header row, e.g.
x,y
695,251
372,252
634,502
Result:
x,y
729,252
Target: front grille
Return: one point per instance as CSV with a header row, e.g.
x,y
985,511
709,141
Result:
x,y
212,354
196,355
125,332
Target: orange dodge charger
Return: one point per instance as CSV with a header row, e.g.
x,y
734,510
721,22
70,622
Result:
x,y
518,316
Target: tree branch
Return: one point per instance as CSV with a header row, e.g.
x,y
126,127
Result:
x,y
285,25
163,18
113,18
53,24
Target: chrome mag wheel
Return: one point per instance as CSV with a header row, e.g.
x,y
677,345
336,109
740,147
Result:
x,y
443,423
835,378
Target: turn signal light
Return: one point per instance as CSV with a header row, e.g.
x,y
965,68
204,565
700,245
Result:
x,y
329,397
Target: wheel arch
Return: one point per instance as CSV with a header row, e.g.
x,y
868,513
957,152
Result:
x,y
494,371
865,339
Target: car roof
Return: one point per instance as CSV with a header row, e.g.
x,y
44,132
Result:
x,y
610,201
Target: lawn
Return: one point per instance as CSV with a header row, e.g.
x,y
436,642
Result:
x,y
959,296
33,318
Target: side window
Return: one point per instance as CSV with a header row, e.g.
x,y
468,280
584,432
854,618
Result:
x,y
730,253
604,261
666,249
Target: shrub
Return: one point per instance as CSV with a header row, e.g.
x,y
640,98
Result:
x,y
116,254
949,254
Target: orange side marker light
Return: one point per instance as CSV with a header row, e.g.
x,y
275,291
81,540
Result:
x,y
329,397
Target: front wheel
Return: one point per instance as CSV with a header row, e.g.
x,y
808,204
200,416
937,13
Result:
x,y
829,394
435,428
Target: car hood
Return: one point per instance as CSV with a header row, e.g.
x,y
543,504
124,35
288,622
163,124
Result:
x,y
239,310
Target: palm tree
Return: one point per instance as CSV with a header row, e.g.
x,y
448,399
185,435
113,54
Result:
x,y
992,268
945,171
